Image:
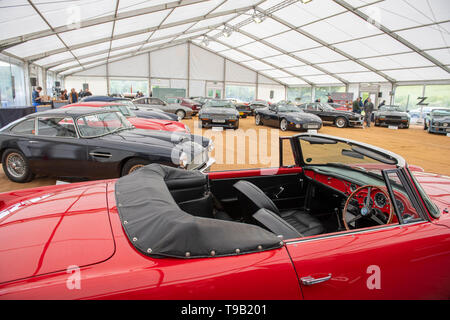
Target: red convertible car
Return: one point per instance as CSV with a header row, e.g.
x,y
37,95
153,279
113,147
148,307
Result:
x,y
337,220
139,123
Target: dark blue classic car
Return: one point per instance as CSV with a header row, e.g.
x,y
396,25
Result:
x,y
438,121
287,116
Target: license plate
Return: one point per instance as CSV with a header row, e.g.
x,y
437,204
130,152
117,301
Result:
x,y
393,127
311,126
218,121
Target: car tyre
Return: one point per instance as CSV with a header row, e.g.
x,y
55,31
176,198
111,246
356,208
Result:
x,y
283,125
133,165
258,120
16,166
341,122
181,114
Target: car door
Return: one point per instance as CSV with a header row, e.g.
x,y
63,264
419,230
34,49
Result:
x,y
395,262
56,148
406,260
270,116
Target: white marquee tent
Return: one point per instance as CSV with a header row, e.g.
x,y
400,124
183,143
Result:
x,y
288,43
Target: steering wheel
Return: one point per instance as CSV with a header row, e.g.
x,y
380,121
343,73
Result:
x,y
367,211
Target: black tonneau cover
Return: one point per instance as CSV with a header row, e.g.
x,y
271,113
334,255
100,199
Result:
x,y
157,227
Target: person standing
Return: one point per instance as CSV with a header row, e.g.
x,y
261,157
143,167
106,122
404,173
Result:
x,y
368,108
64,95
73,96
356,106
36,99
87,93
330,100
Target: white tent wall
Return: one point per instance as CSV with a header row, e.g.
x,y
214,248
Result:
x,y
185,66
237,73
97,85
264,90
205,65
197,88
171,63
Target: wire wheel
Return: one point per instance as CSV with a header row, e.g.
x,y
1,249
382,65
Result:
x,y
341,122
258,120
181,114
283,125
16,165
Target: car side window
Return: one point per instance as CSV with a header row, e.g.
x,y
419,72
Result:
x,y
311,107
24,127
56,127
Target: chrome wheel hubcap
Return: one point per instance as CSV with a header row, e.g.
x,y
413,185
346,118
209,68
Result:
x,y
16,165
283,125
258,120
180,114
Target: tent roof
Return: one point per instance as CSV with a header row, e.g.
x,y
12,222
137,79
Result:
x,y
297,43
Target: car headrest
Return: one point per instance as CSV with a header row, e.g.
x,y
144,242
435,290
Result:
x,y
255,196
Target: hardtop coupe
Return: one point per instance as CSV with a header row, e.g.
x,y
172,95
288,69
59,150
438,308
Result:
x,y
391,116
337,220
189,103
438,121
140,123
182,112
328,114
92,144
287,116
219,113
148,113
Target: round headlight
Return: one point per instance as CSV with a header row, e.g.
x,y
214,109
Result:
x,y
183,160
446,125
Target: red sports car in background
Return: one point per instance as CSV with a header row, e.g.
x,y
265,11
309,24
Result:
x,y
337,220
139,123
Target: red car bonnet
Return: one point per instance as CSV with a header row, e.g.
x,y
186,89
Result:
x,y
53,228
155,124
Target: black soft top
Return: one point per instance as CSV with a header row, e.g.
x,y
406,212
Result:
x,y
156,225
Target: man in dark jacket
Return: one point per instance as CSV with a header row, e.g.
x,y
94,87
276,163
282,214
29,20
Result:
x,y
356,107
330,99
368,109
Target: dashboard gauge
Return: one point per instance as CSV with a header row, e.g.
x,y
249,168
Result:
x,y
380,200
400,206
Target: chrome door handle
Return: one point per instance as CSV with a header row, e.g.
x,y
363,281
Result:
x,y
309,281
100,155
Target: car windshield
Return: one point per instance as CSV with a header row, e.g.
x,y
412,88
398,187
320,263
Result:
x,y
260,103
288,107
441,112
130,105
123,109
100,124
329,152
326,107
219,104
391,109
